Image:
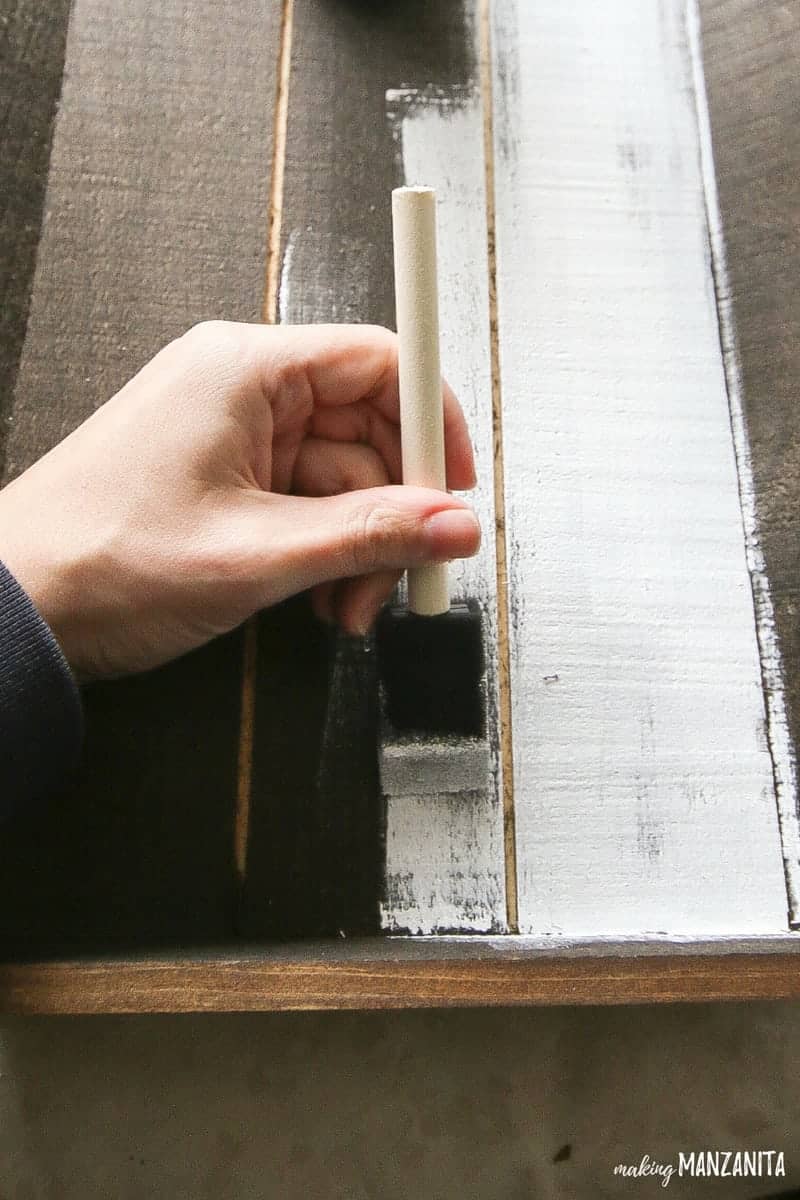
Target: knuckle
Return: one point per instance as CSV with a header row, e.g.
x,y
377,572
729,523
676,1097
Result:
x,y
213,337
376,536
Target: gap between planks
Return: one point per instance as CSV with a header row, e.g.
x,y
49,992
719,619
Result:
x,y
503,660
269,316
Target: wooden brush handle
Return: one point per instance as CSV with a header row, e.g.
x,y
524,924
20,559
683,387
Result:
x,y
420,375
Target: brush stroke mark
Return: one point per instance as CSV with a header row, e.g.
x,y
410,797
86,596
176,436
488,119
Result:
x,y
627,562
776,726
444,855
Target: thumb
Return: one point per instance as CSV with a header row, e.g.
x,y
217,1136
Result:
x,y
361,532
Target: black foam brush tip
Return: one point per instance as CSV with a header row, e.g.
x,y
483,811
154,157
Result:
x,y
431,670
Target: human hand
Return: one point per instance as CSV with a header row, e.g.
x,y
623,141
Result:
x,y
243,464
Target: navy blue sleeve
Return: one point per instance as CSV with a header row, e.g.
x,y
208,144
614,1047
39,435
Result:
x,y
41,718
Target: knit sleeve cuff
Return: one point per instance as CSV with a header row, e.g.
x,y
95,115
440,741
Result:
x,y
41,717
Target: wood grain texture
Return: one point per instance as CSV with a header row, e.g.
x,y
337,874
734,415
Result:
x,y
313,864
137,850
751,51
342,162
643,780
505,730
32,41
269,313
155,218
445,867
750,47
155,215
415,973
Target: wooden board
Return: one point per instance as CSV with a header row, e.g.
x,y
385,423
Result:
x,y
445,867
155,218
345,152
412,973
32,41
643,780
751,49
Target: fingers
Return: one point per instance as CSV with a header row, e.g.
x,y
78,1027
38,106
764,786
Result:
x,y
330,367
341,363
361,423
354,604
360,600
324,468
322,602
309,541
348,363
459,459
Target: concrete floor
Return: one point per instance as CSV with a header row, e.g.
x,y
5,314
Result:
x,y
496,1105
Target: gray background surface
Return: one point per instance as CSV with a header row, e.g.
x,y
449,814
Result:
x,y
350,1106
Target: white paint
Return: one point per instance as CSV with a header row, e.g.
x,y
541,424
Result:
x,y
419,370
519,946
285,297
310,287
439,873
642,777
780,741
444,856
434,766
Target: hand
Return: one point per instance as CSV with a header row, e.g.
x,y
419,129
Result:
x,y
243,464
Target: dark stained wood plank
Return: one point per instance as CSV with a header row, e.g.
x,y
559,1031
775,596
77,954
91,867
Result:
x,y
313,851
138,851
278,894
32,40
383,973
155,215
155,218
346,826
751,49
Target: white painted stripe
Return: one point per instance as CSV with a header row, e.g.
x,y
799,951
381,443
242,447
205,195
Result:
x,y
519,946
780,740
643,780
444,856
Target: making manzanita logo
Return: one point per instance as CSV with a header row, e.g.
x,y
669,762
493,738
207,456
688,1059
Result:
x,y
708,1164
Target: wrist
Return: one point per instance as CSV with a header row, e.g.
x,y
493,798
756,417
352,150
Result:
x,y
45,572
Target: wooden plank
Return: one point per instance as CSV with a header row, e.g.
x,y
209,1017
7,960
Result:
x,y
445,863
342,162
155,218
751,50
269,311
643,780
382,973
289,875
32,41
312,761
